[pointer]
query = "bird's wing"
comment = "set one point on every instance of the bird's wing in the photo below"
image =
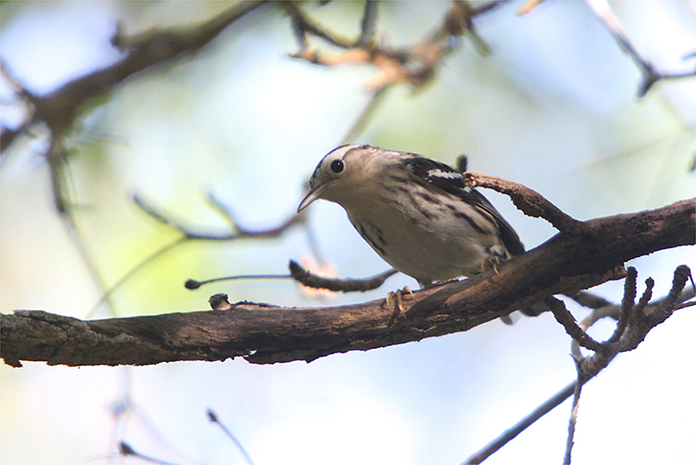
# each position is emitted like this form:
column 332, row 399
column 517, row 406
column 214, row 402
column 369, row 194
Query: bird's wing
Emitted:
column 439, row 176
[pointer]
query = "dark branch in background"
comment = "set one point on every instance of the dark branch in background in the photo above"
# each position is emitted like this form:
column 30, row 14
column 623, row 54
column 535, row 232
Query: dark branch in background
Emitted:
column 59, row 109
column 414, row 65
column 368, row 25
column 212, row 416
column 567, row 263
column 591, row 366
column 127, row 451
column 650, row 73
column 236, row 232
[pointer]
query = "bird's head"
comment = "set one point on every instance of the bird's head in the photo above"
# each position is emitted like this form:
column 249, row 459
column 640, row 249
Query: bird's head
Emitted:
column 343, row 172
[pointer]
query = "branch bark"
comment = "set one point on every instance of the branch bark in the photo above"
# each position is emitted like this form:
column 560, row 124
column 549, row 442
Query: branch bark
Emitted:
column 567, row 263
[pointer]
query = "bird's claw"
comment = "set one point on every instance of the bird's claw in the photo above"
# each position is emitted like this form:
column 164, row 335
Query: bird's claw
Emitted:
column 492, row 262
column 398, row 297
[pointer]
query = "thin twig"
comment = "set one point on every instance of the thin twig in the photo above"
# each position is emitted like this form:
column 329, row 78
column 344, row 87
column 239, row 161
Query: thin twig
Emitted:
column 126, row 450
column 308, row 279
column 529, row 201
column 213, row 418
column 573, row 420
column 565, row 318
column 510, row 434
column 368, row 23
column 591, row 366
column 590, row 300
column 193, row 284
column 651, row 74
column 237, row 232
column 415, row 64
column 627, row 303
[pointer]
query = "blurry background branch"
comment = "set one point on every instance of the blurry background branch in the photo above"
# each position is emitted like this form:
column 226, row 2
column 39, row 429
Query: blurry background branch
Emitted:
column 567, row 263
column 415, row 64
column 650, row 74
column 187, row 234
column 59, row 109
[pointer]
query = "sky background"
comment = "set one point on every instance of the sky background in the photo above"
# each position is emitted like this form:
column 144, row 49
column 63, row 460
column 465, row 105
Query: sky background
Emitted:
column 554, row 107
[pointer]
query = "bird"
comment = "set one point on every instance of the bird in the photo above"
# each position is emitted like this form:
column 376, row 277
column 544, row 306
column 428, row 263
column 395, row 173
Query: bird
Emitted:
column 417, row 213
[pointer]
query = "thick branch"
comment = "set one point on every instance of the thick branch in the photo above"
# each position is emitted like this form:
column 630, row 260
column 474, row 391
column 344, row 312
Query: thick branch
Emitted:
column 566, row 263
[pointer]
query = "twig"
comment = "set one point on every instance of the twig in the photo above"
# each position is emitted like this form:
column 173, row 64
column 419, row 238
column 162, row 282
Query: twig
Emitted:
column 415, row 64
column 590, row 300
column 529, row 201
column 627, row 302
column 511, row 433
column 193, row 284
column 650, row 73
column 566, row 319
column 213, row 418
column 368, row 23
column 591, row 366
column 303, row 24
column 361, row 121
column 308, row 279
column 236, row 233
column 126, row 450
column 573, row 419
column 603, row 11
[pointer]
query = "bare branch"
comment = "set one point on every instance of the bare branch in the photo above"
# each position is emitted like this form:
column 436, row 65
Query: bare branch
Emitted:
column 588, row 367
column 512, row 432
column 415, row 64
column 566, row 263
column 565, row 318
column 214, row 419
column 308, row 279
column 529, row 201
column 368, row 23
column 629, row 298
column 573, row 420
column 606, row 15
column 237, row 231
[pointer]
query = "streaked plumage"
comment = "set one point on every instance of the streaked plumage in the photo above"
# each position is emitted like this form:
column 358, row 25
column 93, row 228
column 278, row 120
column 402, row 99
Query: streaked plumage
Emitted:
column 415, row 212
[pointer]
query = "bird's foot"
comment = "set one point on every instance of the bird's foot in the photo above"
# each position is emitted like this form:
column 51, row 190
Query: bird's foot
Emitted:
column 490, row 263
column 398, row 297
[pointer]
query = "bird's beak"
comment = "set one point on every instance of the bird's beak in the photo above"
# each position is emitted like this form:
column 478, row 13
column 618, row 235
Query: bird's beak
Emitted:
column 313, row 195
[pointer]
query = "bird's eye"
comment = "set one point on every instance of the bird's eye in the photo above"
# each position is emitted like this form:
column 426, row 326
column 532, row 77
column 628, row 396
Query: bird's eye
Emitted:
column 337, row 166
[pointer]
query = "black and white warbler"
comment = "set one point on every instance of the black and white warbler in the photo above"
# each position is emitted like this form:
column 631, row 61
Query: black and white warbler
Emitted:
column 415, row 212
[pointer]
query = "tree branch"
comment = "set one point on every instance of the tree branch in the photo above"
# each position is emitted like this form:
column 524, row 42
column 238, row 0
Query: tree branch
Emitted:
column 567, row 263
column 590, row 366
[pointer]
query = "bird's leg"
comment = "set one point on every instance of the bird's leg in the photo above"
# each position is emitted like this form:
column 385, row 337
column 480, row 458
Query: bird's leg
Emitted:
column 492, row 262
column 398, row 296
